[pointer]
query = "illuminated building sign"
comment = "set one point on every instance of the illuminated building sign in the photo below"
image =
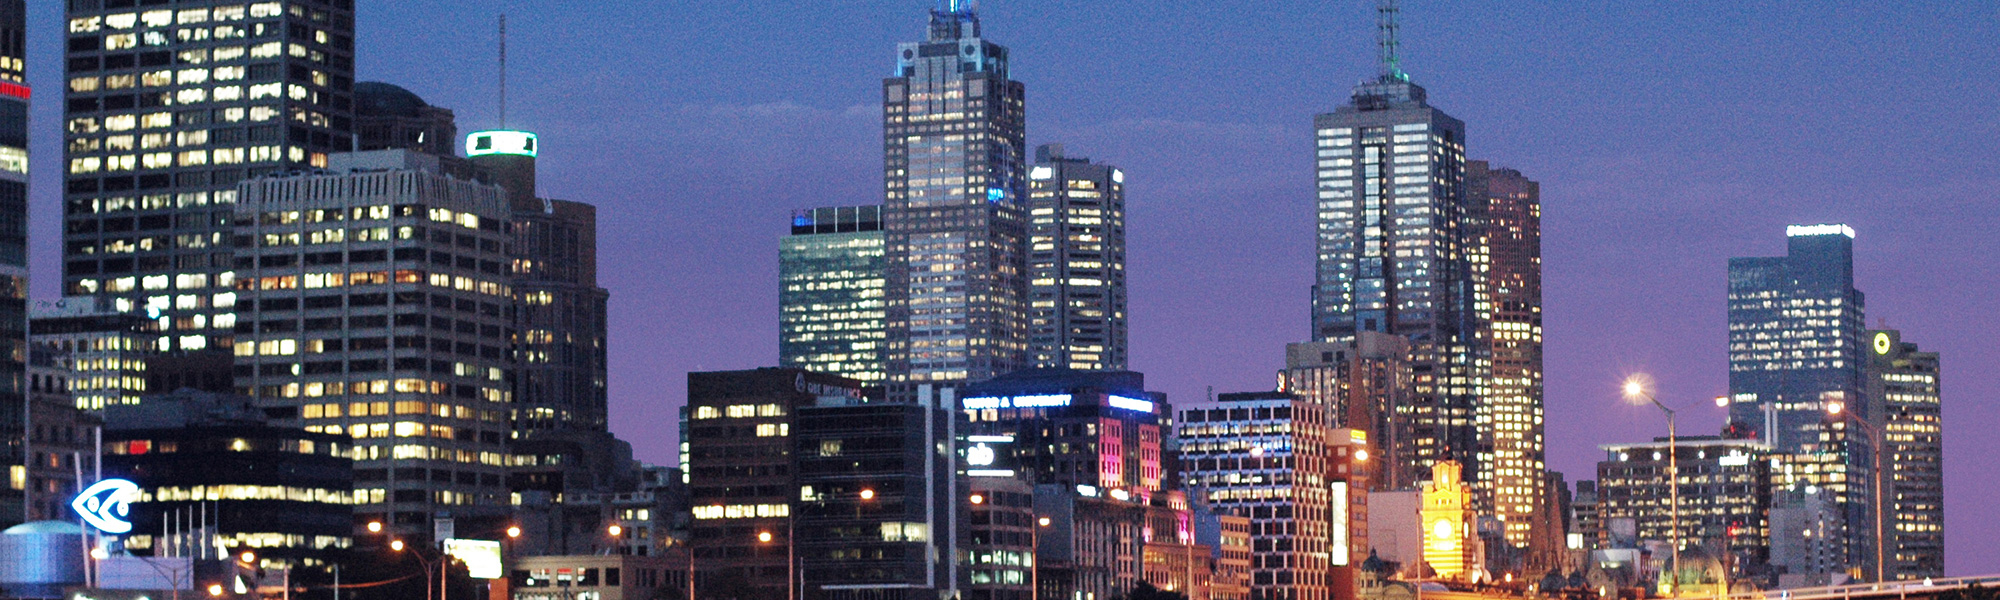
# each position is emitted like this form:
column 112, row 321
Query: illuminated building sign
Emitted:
column 1144, row 406
column 107, row 505
column 979, row 456
column 1805, row 230
column 1882, row 343
column 481, row 557
column 1037, row 401
column 519, row 143
column 1342, row 552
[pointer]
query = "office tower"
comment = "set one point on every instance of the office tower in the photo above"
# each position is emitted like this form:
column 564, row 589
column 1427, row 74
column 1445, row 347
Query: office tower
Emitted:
column 955, row 174
column 107, row 351
column 1795, row 325
column 1365, row 384
column 14, row 93
column 1076, row 262
column 281, row 492
column 743, row 472
column 1903, row 383
column 168, row 107
column 373, row 301
column 1725, row 499
column 830, row 304
column 1400, row 252
column 1510, row 415
column 1796, row 348
column 882, row 511
column 1068, row 427
column 1266, row 455
column 1000, row 557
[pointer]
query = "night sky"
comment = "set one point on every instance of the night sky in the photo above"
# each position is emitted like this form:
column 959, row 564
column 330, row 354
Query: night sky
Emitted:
column 1668, row 136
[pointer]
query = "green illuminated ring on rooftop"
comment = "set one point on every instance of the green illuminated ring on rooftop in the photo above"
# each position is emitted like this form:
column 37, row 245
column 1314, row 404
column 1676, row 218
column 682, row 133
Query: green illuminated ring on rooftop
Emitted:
column 518, row 143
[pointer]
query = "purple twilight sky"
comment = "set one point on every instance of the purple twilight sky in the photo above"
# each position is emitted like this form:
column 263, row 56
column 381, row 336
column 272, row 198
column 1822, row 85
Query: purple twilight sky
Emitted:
column 1668, row 136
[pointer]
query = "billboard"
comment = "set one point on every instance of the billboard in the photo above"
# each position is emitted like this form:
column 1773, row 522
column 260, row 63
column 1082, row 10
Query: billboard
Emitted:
column 481, row 557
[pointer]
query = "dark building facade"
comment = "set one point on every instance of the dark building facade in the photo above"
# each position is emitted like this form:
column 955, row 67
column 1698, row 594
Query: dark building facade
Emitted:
column 1076, row 262
column 168, row 108
column 14, row 391
column 882, row 512
column 743, row 472
column 955, row 177
column 283, row 492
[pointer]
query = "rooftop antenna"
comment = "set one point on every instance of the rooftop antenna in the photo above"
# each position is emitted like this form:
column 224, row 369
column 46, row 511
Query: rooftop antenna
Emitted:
column 1386, row 14
column 503, row 70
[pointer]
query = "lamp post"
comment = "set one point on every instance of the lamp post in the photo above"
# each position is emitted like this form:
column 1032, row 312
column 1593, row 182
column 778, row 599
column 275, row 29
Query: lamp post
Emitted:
column 765, row 537
column 1636, row 390
column 1035, row 558
column 1838, row 410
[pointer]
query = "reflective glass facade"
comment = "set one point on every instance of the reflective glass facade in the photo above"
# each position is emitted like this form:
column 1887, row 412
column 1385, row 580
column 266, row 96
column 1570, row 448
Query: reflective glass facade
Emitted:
column 1795, row 324
column 1400, row 252
column 830, row 300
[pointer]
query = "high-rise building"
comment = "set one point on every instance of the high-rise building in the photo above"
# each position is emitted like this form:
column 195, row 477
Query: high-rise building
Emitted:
column 1400, row 252
column 1267, row 455
column 107, row 352
column 1364, row 384
column 1076, row 261
column 1796, row 348
column 1068, row 427
column 830, row 305
column 1795, row 325
column 14, row 350
column 169, row 107
column 55, row 437
column 1510, row 415
column 955, row 177
column 374, row 301
column 882, row 510
column 1725, row 496
column 1903, row 383
column 387, row 117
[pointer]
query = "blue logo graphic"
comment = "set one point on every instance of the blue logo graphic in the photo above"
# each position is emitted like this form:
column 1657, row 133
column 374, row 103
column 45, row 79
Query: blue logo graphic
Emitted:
column 106, row 504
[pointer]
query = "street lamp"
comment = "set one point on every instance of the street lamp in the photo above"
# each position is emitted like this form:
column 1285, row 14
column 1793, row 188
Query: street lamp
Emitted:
column 1838, row 409
column 791, row 558
column 1035, row 555
column 374, row 527
column 1635, row 389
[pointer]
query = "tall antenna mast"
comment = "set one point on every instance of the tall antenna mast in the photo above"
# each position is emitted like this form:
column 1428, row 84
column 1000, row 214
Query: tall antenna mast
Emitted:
column 1386, row 15
column 503, row 70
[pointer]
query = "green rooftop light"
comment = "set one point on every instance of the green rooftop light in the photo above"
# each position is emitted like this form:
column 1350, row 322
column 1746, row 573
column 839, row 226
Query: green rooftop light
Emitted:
column 482, row 143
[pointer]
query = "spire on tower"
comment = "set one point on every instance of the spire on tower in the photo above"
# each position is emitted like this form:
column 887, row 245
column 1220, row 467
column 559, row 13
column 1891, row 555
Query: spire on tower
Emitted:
column 955, row 19
column 1386, row 16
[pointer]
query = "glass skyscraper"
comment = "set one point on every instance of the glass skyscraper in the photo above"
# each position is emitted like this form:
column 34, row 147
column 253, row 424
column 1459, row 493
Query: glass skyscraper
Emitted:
column 13, row 236
column 167, row 108
column 1076, row 258
column 955, row 174
column 1399, row 253
column 830, row 292
column 1795, row 325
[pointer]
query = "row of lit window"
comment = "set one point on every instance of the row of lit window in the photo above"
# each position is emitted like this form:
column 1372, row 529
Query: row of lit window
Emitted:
column 211, row 493
column 400, row 407
column 738, row 411
column 317, row 389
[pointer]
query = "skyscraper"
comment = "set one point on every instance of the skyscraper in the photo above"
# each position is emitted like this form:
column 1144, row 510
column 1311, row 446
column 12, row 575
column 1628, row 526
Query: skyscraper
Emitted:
column 1076, row 261
column 1795, row 348
column 1795, row 325
column 168, row 107
column 14, row 233
column 830, row 292
column 955, row 173
column 375, row 302
column 1268, row 455
column 1510, row 417
column 1399, row 252
column 1903, row 383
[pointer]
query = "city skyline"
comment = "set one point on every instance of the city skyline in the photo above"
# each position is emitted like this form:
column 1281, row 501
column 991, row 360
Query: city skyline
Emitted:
column 655, row 346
